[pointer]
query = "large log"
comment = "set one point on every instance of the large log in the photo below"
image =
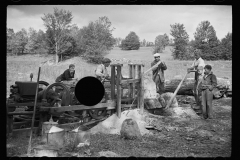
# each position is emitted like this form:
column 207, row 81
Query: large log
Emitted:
column 187, row 87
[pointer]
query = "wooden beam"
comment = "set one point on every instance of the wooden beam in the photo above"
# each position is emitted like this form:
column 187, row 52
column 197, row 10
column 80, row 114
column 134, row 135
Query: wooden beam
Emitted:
column 139, row 85
column 77, row 107
column 141, row 98
column 127, row 100
column 130, row 85
column 129, row 105
column 133, row 86
column 21, row 113
column 119, row 91
column 23, row 104
column 117, row 64
column 113, row 82
column 125, row 82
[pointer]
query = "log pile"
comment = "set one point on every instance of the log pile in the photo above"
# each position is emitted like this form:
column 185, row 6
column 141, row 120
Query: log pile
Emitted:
column 224, row 87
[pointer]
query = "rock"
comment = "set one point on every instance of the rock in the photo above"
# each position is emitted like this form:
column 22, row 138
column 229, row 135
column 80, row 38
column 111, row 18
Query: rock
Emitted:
column 167, row 96
column 108, row 154
column 130, row 129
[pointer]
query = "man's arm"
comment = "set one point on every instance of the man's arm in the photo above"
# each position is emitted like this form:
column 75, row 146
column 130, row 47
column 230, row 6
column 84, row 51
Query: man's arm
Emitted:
column 163, row 66
column 67, row 75
column 154, row 69
column 99, row 71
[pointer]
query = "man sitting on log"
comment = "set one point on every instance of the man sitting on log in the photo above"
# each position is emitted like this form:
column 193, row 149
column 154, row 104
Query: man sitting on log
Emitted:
column 209, row 82
column 197, row 67
column 158, row 77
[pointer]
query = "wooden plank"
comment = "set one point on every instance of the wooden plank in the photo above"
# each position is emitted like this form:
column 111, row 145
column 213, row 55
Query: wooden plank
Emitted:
column 127, row 100
column 21, row 113
column 113, row 82
column 119, row 91
column 117, row 64
column 76, row 107
column 24, row 129
column 139, row 85
column 129, row 105
column 23, row 104
column 125, row 82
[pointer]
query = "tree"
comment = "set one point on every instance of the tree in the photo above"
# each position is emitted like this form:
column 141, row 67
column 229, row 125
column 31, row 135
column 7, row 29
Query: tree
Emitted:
column 161, row 41
column 181, row 39
column 96, row 38
column 206, row 40
column 21, row 40
column 226, row 42
column 118, row 41
column 58, row 24
column 131, row 42
column 10, row 40
column 144, row 43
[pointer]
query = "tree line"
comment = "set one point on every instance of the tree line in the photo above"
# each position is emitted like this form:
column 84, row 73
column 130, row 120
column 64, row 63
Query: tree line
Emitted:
column 64, row 40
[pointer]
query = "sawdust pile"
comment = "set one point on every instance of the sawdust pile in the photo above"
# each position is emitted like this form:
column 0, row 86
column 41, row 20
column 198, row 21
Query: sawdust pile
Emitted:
column 112, row 125
column 184, row 112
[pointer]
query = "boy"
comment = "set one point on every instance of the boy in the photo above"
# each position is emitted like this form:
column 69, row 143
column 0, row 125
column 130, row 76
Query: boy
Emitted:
column 209, row 82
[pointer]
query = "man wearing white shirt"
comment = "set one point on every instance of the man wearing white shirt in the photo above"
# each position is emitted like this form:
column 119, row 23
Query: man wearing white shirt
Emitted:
column 198, row 68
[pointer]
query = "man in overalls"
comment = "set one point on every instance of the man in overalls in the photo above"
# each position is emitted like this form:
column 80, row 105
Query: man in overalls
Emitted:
column 209, row 82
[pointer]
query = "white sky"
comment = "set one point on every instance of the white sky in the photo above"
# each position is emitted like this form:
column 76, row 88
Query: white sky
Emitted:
column 147, row 21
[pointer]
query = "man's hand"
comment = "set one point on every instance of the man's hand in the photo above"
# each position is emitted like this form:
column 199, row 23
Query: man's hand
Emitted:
column 210, row 87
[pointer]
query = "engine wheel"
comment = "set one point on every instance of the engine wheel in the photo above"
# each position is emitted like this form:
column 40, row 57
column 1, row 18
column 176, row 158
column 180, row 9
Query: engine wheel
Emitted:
column 64, row 92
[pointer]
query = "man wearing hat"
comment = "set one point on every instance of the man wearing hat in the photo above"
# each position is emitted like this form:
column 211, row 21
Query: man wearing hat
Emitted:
column 158, row 76
column 197, row 67
column 101, row 71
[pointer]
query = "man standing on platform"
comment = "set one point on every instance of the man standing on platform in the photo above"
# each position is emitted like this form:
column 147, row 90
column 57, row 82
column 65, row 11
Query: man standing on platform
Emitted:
column 158, row 77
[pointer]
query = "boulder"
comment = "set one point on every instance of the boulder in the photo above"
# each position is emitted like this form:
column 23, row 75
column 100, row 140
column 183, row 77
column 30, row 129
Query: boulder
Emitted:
column 130, row 129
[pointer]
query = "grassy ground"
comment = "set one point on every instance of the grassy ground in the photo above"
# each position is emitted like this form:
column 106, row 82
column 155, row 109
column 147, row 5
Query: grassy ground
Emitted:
column 179, row 142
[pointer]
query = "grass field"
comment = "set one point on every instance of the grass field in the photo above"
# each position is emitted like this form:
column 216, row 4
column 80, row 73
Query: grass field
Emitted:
column 175, row 143
column 20, row 67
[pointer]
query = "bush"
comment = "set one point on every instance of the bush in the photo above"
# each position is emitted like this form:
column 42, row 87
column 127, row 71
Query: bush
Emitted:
column 131, row 42
column 94, row 59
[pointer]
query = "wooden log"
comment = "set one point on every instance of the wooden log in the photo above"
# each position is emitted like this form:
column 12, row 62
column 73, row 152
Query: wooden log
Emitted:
column 188, row 84
column 21, row 113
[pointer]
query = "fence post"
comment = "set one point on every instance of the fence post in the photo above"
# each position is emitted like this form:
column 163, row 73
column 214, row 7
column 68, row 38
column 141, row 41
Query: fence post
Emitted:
column 142, row 90
column 119, row 91
column 133, row 84
column 113, row 82
column 130, row 85
column 139, row 84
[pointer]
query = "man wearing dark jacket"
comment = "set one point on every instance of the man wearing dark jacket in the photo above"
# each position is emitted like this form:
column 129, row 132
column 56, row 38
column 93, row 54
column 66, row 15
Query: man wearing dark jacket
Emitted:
column 67, row 74
column 158, row 76
column 209, row 82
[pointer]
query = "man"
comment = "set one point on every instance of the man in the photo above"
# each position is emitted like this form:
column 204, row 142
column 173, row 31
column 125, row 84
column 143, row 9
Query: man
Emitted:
column 209, row 82
column 158, row 76
column 67, row 74
column 101, row 71
column 197, row 67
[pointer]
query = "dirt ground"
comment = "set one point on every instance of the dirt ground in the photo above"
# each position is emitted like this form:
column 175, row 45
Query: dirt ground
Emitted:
column 174, row 137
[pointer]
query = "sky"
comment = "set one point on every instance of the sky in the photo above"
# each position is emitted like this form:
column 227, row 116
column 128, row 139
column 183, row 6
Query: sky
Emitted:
column 147, row 21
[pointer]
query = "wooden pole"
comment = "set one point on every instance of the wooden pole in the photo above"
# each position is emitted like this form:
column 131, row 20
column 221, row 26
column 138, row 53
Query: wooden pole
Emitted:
column 119, row 91
column 175, row 93
column 133, row 84
column 130, row 85
column 139, row 84
column 141, row 90
column 152, row 67
column 112, row 82
column 34, row 111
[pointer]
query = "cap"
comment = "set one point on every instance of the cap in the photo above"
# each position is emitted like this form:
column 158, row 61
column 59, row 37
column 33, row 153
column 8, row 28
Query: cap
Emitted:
column 156, row 55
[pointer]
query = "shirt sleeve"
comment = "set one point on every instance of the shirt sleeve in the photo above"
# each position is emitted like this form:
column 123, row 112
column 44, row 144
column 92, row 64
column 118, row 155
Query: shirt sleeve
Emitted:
column 99, row 71
column 214, row 81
